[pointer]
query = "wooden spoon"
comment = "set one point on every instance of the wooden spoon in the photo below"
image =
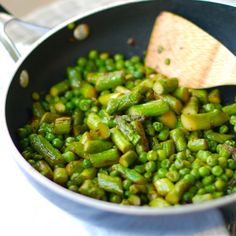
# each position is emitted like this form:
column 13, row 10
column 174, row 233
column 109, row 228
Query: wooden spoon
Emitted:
column 178, row 48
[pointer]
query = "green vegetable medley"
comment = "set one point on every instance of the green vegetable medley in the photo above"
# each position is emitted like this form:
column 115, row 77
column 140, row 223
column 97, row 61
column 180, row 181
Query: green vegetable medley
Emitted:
column 117, row 131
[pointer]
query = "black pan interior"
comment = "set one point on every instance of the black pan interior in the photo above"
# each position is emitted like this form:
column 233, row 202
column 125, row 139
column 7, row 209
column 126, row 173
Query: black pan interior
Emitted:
column 110, row 30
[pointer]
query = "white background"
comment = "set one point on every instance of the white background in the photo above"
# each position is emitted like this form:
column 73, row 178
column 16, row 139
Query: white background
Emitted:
column 23, row 211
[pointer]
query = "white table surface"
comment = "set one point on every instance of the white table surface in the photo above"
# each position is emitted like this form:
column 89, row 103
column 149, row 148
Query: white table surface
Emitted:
column 23, row 211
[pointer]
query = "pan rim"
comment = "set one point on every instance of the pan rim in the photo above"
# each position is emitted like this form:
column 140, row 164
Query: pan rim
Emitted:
column 79, row 198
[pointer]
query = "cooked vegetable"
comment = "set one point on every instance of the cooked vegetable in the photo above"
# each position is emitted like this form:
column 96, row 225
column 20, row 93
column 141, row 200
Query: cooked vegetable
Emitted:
column 110, row 183
column 179, row 139
column 117, row 131
column 120, row 140
column 105, row 158
column 106, row 80
column 204, row 121
column 123, row 102
column 43, row 147
column 165, row 85
column 153, row 108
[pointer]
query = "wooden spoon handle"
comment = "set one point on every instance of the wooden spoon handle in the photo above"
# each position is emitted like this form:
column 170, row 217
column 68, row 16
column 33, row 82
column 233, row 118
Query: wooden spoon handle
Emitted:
column 178, row 48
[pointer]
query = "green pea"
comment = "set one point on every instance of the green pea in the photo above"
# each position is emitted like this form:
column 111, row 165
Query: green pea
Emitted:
column 138, row 74
column 104, row 55
column 69, row 140
column 223, row 129
column 165, row 163
column 49, row 136
column 85, row 104
column 208, row 180
column 201, row 191
column 129, row 84
column 69, row 156
column 217, row 170
column 87, row 163
column 76, row 178
column 209, row 107
column 70, row 106
column 222, row 161
column 184, row 171
column 220, row 185
column 82, row 61
column 164, row 134
column 118, row 57
column 148, row 175
column 44, row 128
column 229, row 173
column 211, row 161
column 202, row 155
column 173, row 176
column 60, row 176
column 204, row 171
column 78, row 137
column 232, row 120
column 173, row 167
column 195, row 173
column 187, row 197
column 179, row 164
column 120, row 65
column 231, row 164
column 210, row 188
column 150, row 166
column 224, row 177
column 115, row 198
column 223, row 151
column 189, row 177
column 158, row 126
column 152, row 155
column 161, row 173
column 135, row 59
column 143, row 157
column 93, row 54
column 128, row 64
column 149, row 128
column 58, row 143
column 23, row 132
column 35, row 96
column 73, row 188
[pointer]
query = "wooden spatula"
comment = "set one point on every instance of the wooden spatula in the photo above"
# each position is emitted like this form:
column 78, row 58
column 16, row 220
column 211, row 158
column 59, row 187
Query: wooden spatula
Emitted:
column 178, row 48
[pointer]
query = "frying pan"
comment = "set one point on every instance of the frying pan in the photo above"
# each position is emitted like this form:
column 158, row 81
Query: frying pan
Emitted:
column 110, row 28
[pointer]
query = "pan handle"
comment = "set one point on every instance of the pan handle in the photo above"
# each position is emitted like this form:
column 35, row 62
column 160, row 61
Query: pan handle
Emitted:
column 8, row 43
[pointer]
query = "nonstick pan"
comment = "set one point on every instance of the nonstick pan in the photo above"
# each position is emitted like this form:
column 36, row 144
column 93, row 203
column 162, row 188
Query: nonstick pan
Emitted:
column 110, row 28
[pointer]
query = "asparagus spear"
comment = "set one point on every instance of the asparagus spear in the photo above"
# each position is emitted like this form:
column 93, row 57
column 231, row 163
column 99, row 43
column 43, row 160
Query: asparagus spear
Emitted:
column 153, row 108
column 204, row 121
column 106, row 80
